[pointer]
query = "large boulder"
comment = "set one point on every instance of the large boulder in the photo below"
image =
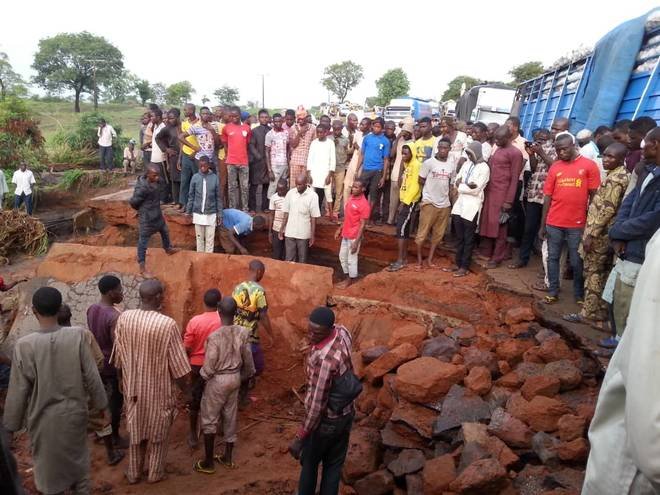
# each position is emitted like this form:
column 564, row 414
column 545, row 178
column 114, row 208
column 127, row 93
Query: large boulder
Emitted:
column 518, row 315
column 407, row 462
column 364, row 454
column 554, row 350
column 389, row 361
column 566, row 372
column 546, row 385
column 480, row 477
column 438, row 474
column 440, row 347
column 411, row 333
column 543, row 413
column 377, row 483
column 426, row 379
column 479, row 380
column 417, row 417
column 571, row 427
column 509, row 429
column 460, row 406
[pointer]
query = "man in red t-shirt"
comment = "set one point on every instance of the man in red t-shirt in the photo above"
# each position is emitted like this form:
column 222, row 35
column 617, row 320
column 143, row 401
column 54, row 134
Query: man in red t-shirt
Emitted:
column 236, row 137
column 356, row 214
column 571, row 183
column 194, row 340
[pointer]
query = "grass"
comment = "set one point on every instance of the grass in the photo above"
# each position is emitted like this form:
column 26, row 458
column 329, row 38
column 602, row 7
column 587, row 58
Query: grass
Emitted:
column 57, row 116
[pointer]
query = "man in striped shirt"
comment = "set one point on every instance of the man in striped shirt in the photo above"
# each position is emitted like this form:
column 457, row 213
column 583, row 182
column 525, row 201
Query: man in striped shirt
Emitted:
column 149, row 356
column 324, row 434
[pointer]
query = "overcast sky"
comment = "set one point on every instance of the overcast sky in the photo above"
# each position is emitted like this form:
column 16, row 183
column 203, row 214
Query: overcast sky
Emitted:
column 212, row 43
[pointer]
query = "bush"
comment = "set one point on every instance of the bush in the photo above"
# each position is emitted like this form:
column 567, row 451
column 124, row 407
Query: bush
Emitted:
column 20, row 137
column 83, row 140
column 76, row 179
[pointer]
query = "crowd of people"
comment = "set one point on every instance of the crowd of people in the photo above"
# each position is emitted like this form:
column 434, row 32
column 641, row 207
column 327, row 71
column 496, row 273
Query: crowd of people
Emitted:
column 126, row 366
column 475, row 185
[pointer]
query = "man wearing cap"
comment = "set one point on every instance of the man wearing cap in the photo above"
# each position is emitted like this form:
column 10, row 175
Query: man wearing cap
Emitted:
column 323, row 436
column 130, row 157
column 301, row 136
column 588, row 149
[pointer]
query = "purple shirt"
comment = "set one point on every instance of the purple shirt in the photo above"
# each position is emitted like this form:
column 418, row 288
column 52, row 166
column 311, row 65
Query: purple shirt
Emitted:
column 101, row 321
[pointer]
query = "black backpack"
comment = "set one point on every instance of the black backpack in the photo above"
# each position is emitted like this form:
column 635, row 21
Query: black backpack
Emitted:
column 345, row 389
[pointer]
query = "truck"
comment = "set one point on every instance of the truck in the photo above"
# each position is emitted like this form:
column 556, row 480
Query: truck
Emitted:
column 407, row 106
column 618, row 80
column 486, row 103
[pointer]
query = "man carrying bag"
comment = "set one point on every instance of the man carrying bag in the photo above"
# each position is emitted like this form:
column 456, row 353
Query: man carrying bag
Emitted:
column 332, row 387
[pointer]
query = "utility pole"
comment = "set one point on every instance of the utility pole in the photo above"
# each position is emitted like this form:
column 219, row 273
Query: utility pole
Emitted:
column 95, row 89
column 263, row 92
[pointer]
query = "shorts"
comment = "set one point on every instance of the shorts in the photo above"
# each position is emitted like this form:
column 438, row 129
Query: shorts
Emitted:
column 197, row 388
column 370, row 180
column 432, row 220
column 404, row 220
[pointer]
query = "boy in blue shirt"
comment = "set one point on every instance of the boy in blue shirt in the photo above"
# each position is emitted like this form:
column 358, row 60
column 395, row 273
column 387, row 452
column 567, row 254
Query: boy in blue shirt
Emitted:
column 238, row 224
column 374, row 161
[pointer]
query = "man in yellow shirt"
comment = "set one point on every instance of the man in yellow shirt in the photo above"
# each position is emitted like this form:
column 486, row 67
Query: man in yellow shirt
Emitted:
column 409, row 196
column 188, row 163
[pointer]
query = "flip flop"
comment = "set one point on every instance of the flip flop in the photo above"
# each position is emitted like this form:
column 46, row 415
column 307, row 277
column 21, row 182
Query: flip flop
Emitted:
column 516, row 266
column 228, row 465
column 550, row 299
column 609, row 343
column 450, row 270
column 201, row 469
column 460, row 274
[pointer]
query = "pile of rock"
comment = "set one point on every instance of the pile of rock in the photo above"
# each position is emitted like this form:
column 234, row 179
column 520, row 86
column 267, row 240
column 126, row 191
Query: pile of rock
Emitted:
column 466, row 410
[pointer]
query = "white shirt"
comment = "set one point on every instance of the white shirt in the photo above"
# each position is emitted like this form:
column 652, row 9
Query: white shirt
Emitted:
column 590, row 150
column 625, row 453
column 320, row 161
column 301, row 209
column 486, row 150
column 157, row 155
column 469, row 201
column 105, row 134
column 23, row 181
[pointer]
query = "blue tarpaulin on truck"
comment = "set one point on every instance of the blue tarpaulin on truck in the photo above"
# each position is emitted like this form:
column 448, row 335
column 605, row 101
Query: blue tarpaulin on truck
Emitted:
column 613, row 61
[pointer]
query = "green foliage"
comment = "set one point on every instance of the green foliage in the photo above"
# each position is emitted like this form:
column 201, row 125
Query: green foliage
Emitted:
column 82, row 141
column 159, row 91
column 120, row 89
column 525, row 72
column 143, row 90
column 10, row 81
column 453, row 91
column 69, row 61
column 63, row 153
column 226, row 95
column 77, row 179
column 20, row 137
column 393, row 84
column 179, row 93
column 340, row 78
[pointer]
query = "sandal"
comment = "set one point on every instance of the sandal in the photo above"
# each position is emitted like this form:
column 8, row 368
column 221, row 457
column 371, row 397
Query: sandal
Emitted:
column 395, row 267
column 201, row 469
column 229, row 465
column 608, row 343
column 517, row 265
column 460, row 273
column 550, row 299
column 491, row 265
column 450, row 270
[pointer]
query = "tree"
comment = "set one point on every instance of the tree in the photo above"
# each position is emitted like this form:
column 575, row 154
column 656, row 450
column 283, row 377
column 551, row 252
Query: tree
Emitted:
column 205, row 100
column 226, row 95
column 525, row 72
column 158, row 93
column 143, row 90
column 453, row 91
column 80, row 62
column 179, row 93
column 9, row 80
column 393, row 84
column 119, row 89
column 340, row 78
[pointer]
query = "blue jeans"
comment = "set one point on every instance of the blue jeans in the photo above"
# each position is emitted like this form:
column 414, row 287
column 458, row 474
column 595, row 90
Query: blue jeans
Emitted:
column 19, row 200
column 556, row 237
column 188, row 169
column 145, row 235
